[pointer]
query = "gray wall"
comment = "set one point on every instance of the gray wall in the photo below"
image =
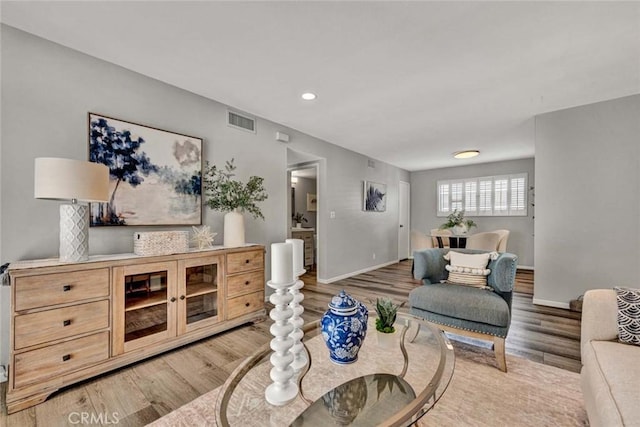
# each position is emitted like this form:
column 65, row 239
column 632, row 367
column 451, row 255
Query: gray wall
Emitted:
column 587, row 199
column 424, row 207
column 304, row 186
column 48, row 89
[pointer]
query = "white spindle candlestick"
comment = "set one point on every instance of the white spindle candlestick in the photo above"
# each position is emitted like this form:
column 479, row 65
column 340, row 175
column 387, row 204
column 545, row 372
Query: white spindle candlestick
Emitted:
column 299, row 355
column 283, row 389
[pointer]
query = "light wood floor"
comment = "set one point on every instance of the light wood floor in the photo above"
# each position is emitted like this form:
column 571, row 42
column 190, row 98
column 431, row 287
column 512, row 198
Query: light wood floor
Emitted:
column 143, row 392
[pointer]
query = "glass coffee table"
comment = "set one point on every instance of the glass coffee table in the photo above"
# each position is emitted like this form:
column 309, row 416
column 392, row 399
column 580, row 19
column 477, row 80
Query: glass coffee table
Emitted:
column 390, row 384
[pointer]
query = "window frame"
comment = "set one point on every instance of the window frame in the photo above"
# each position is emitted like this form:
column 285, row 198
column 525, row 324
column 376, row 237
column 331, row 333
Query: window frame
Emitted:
column 444, row 195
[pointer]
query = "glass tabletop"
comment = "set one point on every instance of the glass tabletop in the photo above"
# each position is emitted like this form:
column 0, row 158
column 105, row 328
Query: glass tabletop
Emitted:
column 389, row 384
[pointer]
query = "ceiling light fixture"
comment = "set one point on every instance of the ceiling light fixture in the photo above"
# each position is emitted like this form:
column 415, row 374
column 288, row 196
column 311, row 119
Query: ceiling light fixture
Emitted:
column 309, row 96
column 466, row 154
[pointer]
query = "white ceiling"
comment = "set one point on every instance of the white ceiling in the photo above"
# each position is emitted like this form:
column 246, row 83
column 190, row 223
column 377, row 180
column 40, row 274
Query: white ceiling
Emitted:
column 404, row 82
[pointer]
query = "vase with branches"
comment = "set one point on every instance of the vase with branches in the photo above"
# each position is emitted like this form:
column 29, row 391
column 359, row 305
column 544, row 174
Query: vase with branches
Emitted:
column 224, row 193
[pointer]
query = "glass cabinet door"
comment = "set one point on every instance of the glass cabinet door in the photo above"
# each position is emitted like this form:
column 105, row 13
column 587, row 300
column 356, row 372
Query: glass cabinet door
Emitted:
column 200, row 289
column 145, row 305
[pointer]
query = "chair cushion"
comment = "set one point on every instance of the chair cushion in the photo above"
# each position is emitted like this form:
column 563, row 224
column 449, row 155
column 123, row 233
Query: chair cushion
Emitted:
column 463, row 302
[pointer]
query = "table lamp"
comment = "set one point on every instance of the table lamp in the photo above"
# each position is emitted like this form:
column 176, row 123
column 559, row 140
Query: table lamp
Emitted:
column 77, row 181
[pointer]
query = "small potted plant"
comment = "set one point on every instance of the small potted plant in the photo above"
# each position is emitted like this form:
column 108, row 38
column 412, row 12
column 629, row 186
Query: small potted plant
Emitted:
column 387, row 312
column 457, row 223
column 299, row 218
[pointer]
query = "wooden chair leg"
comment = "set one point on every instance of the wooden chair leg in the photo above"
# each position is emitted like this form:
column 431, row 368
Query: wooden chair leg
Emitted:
column 498, row 349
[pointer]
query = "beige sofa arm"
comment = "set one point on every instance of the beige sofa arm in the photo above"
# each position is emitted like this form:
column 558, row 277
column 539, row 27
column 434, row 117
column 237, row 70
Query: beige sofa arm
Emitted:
column 599, row 316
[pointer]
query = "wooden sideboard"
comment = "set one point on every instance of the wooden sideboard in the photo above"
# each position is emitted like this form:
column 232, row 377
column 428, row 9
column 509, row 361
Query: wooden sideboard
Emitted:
column 307, row 236
column 70, row 322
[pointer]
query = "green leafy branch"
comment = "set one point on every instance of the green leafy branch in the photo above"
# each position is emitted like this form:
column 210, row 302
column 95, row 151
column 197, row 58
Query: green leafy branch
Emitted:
column 223, row 193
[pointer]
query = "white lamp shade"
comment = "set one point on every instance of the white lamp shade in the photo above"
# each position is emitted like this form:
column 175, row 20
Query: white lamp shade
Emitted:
column 66, row 179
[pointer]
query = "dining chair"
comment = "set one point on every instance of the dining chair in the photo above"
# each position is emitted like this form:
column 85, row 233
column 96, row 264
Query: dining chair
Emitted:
column 504, row 237
column 486, row 241
column 437, row 232
column 419, row 241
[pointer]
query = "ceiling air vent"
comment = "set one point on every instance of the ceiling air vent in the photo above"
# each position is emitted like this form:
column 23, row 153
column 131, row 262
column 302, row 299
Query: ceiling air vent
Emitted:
column 240, row 121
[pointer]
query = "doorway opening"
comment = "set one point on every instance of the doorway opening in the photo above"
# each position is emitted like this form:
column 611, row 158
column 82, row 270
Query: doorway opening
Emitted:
column 303, row 207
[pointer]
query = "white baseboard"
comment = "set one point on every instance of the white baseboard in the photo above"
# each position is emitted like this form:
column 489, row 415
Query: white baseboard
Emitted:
column 3, row 374
column 555, row 304
column 355, row 273
column 526, row 267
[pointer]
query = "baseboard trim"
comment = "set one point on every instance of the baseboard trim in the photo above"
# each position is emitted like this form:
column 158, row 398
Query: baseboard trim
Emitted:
column 355, row 273
column 548, row 303
column 525, row 267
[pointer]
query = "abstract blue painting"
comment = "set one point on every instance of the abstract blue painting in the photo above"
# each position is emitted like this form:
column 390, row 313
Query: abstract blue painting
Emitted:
column 155, row 175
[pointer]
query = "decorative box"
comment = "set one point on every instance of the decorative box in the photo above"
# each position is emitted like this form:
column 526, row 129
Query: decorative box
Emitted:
column 160, row 242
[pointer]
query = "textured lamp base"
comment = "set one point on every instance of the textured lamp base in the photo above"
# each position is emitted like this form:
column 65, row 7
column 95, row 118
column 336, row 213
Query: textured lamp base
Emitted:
column 74, row 233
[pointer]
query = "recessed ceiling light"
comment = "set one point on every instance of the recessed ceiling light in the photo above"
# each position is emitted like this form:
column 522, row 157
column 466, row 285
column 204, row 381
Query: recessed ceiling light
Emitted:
column 467, row 154
column 309, row 96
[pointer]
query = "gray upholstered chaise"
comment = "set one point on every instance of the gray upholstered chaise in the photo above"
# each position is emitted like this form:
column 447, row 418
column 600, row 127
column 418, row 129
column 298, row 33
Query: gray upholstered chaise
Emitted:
column 465, row 310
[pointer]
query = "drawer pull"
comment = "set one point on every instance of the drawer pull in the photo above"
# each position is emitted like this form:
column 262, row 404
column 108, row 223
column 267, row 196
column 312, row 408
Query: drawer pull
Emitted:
column 247, row 304
column 66, row 288
column 247, row 282
column 173, row 299
column 246, row 261
column 66, row 322
column 182, row 297
column 66, row 357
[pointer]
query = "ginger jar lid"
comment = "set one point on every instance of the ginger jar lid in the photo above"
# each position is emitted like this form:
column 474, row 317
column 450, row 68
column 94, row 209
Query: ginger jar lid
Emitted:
column 343, row 303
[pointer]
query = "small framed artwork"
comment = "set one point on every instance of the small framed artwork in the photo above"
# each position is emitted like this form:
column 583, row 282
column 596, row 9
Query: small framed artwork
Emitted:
column 375, row 197
column 155, row 175
column 312, row 202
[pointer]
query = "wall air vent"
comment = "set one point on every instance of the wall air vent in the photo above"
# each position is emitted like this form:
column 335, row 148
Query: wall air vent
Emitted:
column 240, row 121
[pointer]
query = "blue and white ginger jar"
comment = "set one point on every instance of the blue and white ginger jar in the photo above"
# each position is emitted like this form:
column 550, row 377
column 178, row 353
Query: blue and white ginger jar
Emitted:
column 344, row 327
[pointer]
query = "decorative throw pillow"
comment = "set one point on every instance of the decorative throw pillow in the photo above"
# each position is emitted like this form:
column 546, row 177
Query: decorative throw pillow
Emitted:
column 628, row 315
column 469, row 269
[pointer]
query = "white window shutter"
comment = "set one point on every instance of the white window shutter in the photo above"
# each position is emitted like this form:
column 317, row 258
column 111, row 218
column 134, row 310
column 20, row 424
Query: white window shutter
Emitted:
column 518, row 204
column 501, row 196
column 471, row 197
column 485, row 196
column 457, row 195
column 443, row 198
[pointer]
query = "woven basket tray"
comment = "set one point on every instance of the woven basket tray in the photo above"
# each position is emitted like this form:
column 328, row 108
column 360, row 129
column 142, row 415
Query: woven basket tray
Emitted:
column 160, row 242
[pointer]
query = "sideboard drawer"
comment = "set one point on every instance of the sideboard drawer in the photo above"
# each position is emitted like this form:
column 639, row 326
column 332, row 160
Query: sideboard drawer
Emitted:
column 39, row 365
column 245, row 283
column 60, row 288
column 36, row 328
column 245, row 261
column 245, row 304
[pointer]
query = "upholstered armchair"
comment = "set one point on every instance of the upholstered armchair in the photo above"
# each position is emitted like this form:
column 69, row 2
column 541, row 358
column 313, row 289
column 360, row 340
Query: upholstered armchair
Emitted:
column 482, row 313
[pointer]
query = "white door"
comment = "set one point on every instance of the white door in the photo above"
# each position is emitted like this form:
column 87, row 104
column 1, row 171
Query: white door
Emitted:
column 403, row 232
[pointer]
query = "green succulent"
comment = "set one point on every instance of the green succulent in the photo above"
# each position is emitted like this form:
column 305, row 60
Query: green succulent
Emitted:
column 387, row 312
